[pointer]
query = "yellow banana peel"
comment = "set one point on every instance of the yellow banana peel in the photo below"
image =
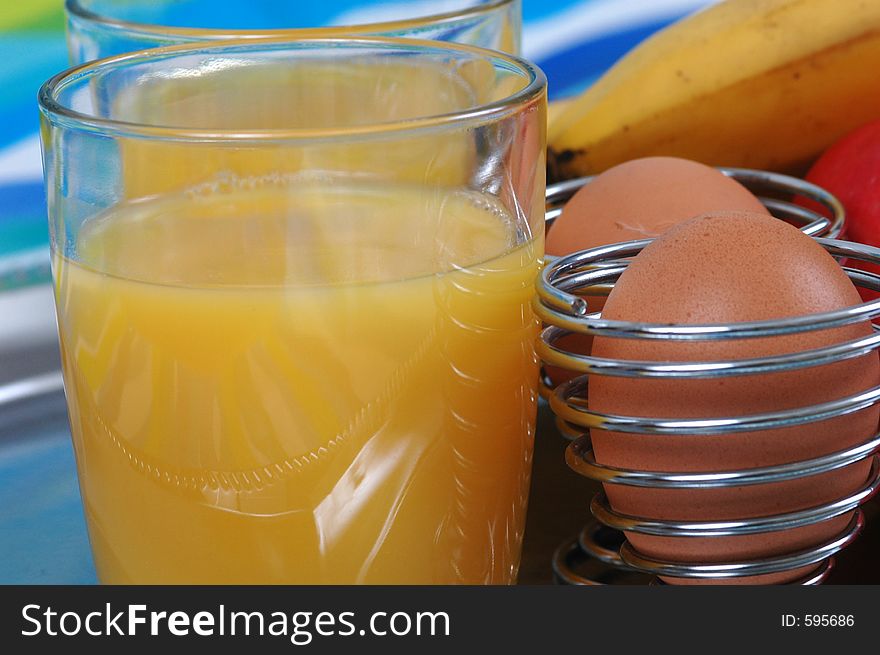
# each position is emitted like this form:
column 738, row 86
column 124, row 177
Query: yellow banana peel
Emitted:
column 757, row 83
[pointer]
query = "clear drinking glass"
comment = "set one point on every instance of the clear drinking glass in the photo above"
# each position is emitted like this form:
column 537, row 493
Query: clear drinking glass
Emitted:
column 293, row 284
column 100, row 28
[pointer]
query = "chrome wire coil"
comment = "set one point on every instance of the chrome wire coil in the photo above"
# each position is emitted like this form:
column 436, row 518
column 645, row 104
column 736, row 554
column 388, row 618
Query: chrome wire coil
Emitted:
column 560, row 303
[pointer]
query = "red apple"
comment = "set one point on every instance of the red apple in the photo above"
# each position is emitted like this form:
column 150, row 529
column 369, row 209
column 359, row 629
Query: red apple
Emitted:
column 850, row 169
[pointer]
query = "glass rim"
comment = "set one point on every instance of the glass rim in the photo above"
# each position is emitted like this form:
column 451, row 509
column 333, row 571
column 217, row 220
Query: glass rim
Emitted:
column 480, row 113
column 75, row 9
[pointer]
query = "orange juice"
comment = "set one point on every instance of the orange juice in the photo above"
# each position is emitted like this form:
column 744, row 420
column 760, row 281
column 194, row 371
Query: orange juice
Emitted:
column 290, row 381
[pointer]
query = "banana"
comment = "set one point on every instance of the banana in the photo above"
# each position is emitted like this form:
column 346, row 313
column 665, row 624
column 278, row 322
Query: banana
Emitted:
column 556, row 107
column 756, row 83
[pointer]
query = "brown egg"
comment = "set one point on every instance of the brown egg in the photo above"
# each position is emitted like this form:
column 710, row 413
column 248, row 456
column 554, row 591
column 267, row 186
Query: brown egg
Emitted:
column 721, row 268
column 639, row 199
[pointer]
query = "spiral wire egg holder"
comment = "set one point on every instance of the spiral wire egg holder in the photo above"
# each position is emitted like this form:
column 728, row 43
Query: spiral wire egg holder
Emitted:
column 561, row 306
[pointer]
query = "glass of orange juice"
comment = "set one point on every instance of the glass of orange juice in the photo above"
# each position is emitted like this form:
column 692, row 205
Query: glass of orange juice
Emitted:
column 293, row 283
column 100, row 28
